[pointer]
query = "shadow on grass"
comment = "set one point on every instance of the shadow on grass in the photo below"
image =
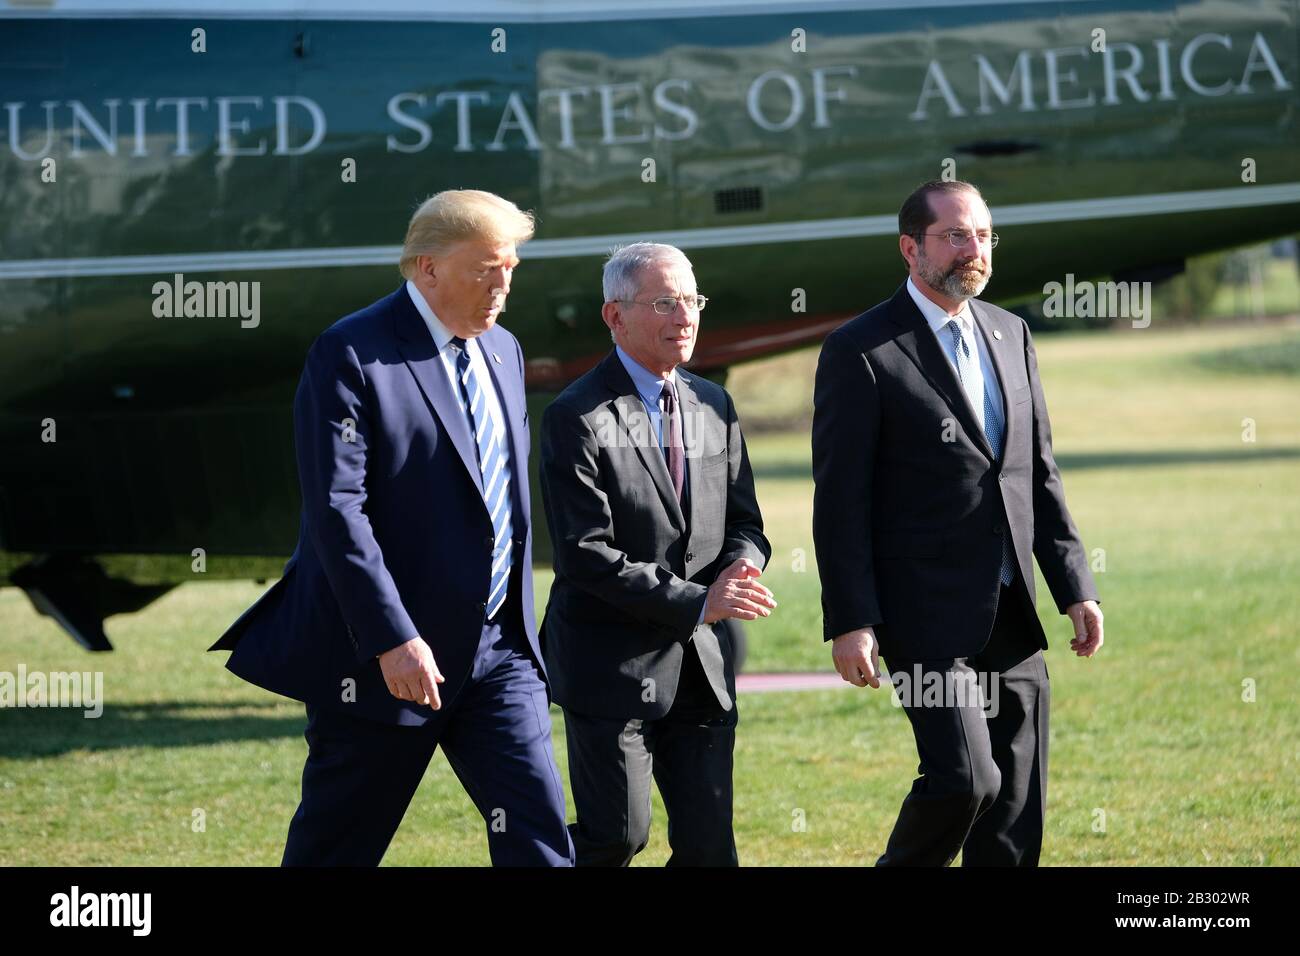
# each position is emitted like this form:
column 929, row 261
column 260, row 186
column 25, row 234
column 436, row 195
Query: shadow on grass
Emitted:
column 1105, row 459
column 51, row 731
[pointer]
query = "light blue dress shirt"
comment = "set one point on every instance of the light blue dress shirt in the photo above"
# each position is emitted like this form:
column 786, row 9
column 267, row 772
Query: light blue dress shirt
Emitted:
column 650, row 386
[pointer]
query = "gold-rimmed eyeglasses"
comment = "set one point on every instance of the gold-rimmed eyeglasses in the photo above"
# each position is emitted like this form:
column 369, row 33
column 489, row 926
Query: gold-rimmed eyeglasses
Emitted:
column 665, row 304
column 959, row 237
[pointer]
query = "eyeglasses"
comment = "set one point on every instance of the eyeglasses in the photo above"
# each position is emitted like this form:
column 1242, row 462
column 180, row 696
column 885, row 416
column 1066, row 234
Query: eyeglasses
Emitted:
column 665, row 304
column 959, row 237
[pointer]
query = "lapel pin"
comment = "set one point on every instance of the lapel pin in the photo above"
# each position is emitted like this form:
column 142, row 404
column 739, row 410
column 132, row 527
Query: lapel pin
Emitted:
column 497, row 358
column 997, row 333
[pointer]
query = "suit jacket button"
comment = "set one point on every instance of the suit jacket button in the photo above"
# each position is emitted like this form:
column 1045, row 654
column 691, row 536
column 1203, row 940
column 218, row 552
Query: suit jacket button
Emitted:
column 690, row 555
column 489, row 541
column 482, row 606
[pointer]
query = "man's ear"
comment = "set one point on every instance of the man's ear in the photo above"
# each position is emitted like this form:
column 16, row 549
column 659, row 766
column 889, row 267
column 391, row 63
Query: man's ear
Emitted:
column 612, row 315
column 428, row 267
column 908, row 248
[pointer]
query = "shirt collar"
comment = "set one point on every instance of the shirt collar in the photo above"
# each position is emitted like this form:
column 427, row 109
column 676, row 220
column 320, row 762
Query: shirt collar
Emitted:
column 935, row 315
column 441, row 334
column 648, row 385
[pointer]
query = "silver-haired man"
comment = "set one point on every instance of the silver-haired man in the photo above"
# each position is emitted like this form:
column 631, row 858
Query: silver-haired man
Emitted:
column 657, row 537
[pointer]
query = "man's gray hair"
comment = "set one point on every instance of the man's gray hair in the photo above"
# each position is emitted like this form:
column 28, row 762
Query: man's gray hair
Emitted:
column 621, row 279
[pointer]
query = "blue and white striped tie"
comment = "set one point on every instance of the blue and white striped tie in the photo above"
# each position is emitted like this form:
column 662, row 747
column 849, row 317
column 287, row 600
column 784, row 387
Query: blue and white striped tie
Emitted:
column 967, row 373
column 494, row 463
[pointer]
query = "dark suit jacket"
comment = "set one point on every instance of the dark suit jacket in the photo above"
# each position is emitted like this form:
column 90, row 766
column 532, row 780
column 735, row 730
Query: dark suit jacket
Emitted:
column 631, row 570
column 395, row 539
column 908, row 526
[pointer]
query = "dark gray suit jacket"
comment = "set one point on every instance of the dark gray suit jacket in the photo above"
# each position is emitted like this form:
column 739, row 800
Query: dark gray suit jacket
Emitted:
column 631, row 570
column 908, row 525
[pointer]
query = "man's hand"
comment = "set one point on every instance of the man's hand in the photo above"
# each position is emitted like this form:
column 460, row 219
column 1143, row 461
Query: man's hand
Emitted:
column 1086, row 617
column 856, row 657
column 411, row 674
column 737, row 593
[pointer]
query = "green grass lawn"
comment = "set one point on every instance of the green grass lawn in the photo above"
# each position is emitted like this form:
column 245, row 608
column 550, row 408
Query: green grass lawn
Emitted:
column 1197, row 529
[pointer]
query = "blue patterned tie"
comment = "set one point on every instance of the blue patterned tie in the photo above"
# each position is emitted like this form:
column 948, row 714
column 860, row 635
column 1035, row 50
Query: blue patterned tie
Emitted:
column 967, row 373
column 494, row 463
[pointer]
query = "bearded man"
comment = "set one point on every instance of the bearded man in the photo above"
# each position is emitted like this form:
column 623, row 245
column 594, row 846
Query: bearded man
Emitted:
column 935, row 490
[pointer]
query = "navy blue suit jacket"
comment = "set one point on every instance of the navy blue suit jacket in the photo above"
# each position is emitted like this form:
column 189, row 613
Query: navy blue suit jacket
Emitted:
column 395, row 542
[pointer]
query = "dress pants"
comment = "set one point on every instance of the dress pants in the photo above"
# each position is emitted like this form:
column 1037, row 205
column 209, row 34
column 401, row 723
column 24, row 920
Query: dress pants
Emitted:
column 360, row 774
column 982, row 788
column 688, row 751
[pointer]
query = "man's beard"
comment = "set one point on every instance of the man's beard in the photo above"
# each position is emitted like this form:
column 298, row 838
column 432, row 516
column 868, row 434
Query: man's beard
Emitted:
column 956, row 282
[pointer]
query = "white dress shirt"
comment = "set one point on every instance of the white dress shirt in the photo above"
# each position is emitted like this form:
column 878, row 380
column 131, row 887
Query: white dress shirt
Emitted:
column 442, row 337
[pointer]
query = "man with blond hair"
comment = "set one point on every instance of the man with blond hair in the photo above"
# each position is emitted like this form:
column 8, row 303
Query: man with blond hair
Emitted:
column 404, row 619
